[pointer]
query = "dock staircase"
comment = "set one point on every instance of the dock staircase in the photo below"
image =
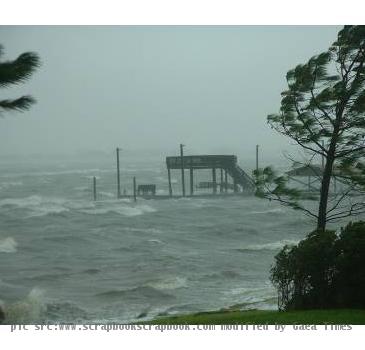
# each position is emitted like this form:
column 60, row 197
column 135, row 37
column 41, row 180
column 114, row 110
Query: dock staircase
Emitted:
column 240, row 177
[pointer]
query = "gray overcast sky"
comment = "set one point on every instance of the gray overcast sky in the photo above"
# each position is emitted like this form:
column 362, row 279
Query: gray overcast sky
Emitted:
column 154, row 87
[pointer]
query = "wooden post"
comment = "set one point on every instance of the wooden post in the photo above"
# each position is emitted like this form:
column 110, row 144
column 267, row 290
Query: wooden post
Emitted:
column 169, row 177
column 221, row 186
column 191, row 181
column 118, row 174
column 182, row 169
column 134, row 189
column 94, row 187
column 257, row 158
column 214, row 180
column 235, row 187
column 225, row 180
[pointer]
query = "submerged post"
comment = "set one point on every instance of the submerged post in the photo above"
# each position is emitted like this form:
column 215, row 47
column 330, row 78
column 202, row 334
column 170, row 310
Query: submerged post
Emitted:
column 214, row 180
column 94, row 187
column 169, row 178
column 221, row 186
column 225, row 181
column 235, row 186
column 182, row 169
column 134, row 189
column 118, row 174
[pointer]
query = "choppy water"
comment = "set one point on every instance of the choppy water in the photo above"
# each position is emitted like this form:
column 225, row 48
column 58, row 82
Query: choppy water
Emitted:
column 66, row 258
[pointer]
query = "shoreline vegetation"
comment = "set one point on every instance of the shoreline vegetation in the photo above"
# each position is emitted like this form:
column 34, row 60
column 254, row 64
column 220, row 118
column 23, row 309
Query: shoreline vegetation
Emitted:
column 263, row 317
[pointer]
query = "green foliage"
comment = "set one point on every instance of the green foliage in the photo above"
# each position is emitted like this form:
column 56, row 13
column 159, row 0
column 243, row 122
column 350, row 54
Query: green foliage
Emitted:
column 275, row 187
column 323, row 111
column 322, row 271
column 350, row 279
column 16, row 72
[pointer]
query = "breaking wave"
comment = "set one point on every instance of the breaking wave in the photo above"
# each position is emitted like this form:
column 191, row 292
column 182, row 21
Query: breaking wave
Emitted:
column 157, row 290
column 268, row 211
column 36, row 205
column 27, row 311
column 169, row 283
column 263, row 296
column 142, row 292
column 8, row 245
column 269, row 246
column 123, row 210
column 42, row 206
column 6, row 185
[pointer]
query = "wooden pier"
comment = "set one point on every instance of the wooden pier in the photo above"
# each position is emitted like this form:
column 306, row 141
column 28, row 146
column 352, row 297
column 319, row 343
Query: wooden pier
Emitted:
column 228, row 178
column 226, row 165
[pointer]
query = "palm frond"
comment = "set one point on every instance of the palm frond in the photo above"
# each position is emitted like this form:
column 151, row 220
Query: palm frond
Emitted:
column 19, row 70
column 20, row 104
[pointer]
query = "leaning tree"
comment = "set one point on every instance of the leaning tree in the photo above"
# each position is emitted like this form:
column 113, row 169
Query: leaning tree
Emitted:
column 323, row 111
column 17, row 72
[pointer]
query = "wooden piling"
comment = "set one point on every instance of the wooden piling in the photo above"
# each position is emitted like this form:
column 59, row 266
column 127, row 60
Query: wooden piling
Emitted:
column 182, row 169
column 118, row 174
column 214, row 175
column 225, row 180
column 191, row 181
column 221, row 186
column 134, row 189
column 94, row 187
column 235, row 186
column 169, row 178
column 257, row 158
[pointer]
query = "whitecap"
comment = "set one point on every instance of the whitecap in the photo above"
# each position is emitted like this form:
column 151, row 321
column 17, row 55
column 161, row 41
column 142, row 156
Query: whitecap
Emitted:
column 26, row 311
column 41, row 206
column 22, row 202
column 155, row 241
column 270, row 246
column 8, row 245
column 268, row 211
column 168, row 283
column 123, row 210
column 6, row 185
column 263, row 294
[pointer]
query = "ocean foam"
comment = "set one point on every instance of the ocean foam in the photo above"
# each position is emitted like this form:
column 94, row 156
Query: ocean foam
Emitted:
column 268, row 211
column 28, row 310
column 8, row 245
column 41, row 206
column 120, row 209
column 6, row 185
column 270, row 246
column 168, row 283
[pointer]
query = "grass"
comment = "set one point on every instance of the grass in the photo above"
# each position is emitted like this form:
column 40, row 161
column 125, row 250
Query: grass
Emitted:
column 341, row 316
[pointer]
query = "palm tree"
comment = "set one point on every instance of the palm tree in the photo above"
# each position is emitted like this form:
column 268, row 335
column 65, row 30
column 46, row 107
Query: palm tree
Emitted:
column 17, row 72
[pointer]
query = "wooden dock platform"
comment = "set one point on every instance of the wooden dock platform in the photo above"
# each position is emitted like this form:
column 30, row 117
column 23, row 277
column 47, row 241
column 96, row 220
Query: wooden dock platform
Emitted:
column 226, row 164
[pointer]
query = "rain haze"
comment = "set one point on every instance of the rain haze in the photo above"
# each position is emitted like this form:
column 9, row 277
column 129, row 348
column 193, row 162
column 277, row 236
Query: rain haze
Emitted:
column 150, row 88
column 106, row 218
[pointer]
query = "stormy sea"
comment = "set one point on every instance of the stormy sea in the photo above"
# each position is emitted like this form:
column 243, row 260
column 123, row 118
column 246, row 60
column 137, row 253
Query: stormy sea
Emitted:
column 67, row 258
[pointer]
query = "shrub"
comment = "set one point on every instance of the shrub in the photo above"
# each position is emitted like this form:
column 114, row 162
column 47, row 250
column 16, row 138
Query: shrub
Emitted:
column 323, row 271
column 350, row 278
